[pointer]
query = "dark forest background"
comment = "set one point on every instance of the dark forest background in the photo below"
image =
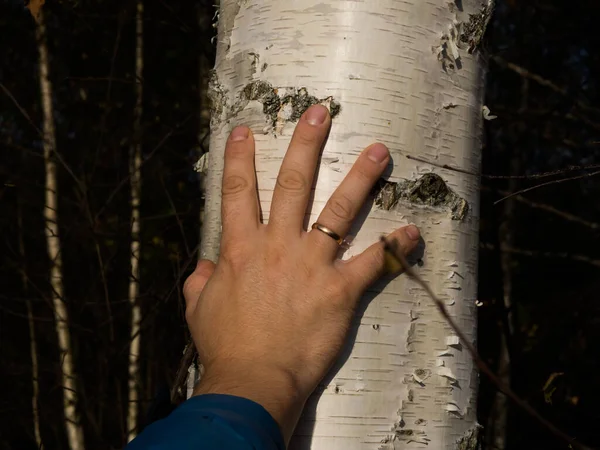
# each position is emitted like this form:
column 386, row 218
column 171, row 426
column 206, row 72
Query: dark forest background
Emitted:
column 539, row 255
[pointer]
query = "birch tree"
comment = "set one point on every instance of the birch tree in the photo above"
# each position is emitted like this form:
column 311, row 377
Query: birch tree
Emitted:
column 407, row 74
column 135, row 163
column 61, row 315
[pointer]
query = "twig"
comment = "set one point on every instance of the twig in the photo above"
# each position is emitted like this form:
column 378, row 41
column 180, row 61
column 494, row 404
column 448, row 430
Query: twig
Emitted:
column 562, row 180
column 107, row 99
column 104, row 79
column 124, row 181
column 541, row 174
column 541, row 254
column 506, row 177
column 549, row 209
column 176, row 214
column 39, row 132
column 20, row 108
column 393, row 248
column 543, row 82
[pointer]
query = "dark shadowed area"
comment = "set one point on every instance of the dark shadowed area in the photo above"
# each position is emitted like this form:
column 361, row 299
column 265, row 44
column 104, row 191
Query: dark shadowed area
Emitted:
column 539, row 279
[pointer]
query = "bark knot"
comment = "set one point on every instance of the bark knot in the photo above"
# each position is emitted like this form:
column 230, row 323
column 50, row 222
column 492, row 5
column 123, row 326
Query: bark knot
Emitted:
column 429, row 190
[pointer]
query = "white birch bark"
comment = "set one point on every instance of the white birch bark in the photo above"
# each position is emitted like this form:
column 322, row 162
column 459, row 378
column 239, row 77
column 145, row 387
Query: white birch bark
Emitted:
column 403, row 76
column 67, row 370
column 135, row 163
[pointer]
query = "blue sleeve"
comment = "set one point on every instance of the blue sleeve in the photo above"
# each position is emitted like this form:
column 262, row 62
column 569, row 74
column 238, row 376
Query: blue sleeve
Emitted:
column 213, row 422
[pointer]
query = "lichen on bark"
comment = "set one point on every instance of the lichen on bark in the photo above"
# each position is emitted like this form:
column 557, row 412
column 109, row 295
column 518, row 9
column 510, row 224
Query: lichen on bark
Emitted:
column 279, row 104
column 282, row 104
column 473, row 30
column 217, row 98
column 470, row 441
column 262, row 92
column 429, row 190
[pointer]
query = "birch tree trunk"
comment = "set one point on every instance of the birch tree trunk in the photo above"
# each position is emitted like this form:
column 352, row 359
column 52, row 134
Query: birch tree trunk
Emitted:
column 406, row 74
column 135, row 163
column 67, row 370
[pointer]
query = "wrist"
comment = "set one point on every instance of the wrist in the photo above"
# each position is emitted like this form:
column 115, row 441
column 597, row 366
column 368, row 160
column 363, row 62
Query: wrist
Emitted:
column 273, row 389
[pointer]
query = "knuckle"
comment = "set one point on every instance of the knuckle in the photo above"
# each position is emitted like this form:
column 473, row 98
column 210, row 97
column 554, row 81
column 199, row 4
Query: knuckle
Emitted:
column 365, row 173
column 377, row 261
column 376, row 257
column 232, row 253
column 234, row 184
column 291, row 180
column 306, row 137
column 341, row 206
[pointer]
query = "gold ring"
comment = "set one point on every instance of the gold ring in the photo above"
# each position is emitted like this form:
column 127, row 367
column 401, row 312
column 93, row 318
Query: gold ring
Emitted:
column 332, row 234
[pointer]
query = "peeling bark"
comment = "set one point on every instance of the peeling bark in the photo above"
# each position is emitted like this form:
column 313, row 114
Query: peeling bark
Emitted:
column 375, row 62
column 280, row 105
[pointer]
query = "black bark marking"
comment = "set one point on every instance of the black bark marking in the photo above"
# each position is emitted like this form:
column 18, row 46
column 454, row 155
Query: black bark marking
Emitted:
column 299, row 100
column 429, row 190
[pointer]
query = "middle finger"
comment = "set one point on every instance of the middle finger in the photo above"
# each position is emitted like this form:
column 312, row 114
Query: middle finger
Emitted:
column 347, row 200
column 294, row 182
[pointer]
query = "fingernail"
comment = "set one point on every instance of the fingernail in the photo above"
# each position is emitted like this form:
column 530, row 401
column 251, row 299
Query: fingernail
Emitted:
column 239, row 134
column 378, row 153
column 316, row 114
column 412, row 232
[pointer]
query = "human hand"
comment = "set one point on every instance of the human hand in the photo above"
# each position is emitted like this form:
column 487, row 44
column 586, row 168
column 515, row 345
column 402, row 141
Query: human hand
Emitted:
column 271, row 317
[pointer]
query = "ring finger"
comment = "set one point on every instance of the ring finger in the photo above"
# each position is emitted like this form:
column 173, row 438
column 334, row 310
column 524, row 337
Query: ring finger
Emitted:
column 348, row 198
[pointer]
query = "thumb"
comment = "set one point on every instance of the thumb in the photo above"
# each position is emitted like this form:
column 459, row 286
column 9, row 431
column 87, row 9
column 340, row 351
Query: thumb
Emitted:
column 194, row 285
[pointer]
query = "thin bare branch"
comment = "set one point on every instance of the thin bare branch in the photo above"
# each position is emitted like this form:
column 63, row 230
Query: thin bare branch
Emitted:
column 108, row 94
column 104, row 79
column 176, row 214
column 35, row 386
column 135, row 164
column 550, row 173
column 542, row 254
column 20, row 108
column 547, row 183
column 543, row 82
column 549, row 209
column 39, row 132
column 394, row 249
column 506, row 177
column 126, row 179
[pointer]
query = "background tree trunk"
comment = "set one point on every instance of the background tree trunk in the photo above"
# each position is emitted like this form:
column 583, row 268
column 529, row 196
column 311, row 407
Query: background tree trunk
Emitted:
column 66, row 367
column 406, row 74
column 35, row 372
column 135, row 163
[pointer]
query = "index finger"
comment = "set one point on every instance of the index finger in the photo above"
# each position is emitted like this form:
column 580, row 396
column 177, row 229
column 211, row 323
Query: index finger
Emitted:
column 239, row 207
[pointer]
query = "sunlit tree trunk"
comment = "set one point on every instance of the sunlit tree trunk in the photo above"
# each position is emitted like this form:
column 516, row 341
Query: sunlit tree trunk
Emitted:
column 67, row 370
column 407, row 74
column 135, row 163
